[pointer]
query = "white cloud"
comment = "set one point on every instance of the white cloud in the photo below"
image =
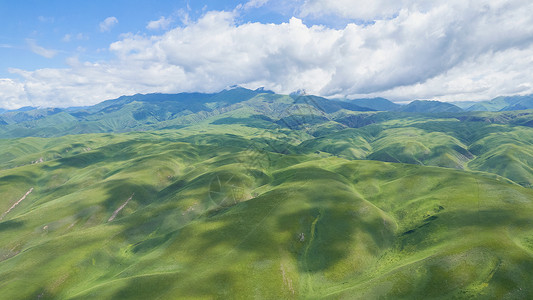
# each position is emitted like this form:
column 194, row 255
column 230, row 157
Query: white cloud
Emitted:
column 12, row 94
column 457, row 51
column 68, row 37
column 108, row 23
column 48, row 53
column 254, row 4
column 507, row 72
column 161, row 23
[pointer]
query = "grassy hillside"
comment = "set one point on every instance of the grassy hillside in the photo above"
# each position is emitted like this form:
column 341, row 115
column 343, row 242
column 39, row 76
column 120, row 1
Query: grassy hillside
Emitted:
column 478, row 146
column 269, row 196
column 211, row 212
column 498, row 143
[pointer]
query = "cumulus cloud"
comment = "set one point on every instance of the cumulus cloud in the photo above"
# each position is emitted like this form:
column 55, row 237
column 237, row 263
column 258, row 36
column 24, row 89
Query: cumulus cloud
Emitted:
column 108, row 23
column 12, row 94
column 48, row 53
column 161, row 23
column 507, row 72
column 453, row 51
column 214, row 52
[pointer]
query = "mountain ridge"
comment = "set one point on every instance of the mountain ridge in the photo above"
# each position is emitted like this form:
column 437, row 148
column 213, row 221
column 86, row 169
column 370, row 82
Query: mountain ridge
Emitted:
column 159, row 111
column 237, row 94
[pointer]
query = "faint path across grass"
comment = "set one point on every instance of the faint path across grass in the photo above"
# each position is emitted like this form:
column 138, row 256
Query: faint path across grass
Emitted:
column 16, row 203
column 306, row 252
column 115, row 213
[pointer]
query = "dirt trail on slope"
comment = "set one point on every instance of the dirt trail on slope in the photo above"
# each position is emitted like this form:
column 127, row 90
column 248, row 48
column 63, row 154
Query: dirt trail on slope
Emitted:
column 16, row 203
column 115, row 213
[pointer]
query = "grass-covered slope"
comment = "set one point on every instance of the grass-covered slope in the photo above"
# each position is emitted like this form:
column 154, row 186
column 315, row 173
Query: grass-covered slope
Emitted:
column 217, row 211
column 471, row 145
column 491, row 142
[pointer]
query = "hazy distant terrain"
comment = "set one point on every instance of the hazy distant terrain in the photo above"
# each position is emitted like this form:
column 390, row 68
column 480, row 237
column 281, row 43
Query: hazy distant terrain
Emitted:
column 164, row 111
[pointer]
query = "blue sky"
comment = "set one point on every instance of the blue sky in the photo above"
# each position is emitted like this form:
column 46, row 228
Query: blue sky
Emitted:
column 72, row 27
column 66, row 53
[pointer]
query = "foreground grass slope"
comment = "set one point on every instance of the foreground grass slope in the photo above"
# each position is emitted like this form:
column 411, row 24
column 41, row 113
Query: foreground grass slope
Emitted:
column 218, row 211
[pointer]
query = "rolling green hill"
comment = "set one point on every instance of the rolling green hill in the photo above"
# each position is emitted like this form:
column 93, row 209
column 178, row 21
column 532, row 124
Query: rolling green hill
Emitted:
column 208, row 212
column 265, row 196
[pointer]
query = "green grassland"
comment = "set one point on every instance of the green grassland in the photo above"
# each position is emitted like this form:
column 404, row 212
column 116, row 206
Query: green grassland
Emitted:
column 274, row 200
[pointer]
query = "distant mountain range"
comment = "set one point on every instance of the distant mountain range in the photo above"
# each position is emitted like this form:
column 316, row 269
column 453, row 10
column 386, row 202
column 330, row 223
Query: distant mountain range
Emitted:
column 509, row 103
column 165, row 111
column 424, row 106
column 418, row 106
column 503, row 104
column 379, row 104
column 197, row 102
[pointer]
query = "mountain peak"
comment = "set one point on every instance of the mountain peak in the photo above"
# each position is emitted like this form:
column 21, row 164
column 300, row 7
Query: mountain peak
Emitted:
column 234, row 87
column 262, row 90
column 300, row 92
column 430, row 106
column 380, row 104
